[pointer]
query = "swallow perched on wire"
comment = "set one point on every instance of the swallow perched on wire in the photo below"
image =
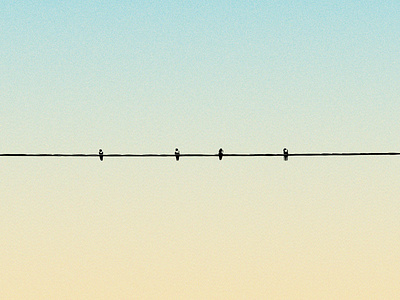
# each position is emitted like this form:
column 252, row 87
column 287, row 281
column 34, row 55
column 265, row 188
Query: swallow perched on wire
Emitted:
column 177, row 153
column 101, row 154
column 285, row 154
column 220, row 153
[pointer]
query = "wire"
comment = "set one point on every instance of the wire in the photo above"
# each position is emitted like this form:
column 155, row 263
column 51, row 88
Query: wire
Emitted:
column 285, row 155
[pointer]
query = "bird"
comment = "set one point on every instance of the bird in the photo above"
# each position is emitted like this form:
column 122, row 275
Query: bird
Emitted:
column 177, row 153
column 285, row 154
column 220, row 153
column 101, row 154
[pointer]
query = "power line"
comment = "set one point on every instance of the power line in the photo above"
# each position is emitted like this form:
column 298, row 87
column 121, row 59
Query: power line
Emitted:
column 285, row 154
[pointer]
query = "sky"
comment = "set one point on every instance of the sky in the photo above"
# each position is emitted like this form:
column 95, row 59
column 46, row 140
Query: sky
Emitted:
column 247, row 76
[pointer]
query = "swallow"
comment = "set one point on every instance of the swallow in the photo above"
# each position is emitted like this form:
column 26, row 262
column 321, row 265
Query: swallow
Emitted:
column 220, row 153
column 285, row 154
column 177, row 153
column 101, row 154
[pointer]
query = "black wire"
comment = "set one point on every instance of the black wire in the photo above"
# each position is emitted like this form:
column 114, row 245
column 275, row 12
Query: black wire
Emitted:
column 198, row 154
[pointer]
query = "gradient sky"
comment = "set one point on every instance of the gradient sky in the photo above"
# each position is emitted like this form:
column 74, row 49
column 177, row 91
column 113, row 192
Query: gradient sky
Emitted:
column 247, row 76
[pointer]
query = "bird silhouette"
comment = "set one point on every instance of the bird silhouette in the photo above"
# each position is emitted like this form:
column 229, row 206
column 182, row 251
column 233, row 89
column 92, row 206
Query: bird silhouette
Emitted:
column 101, row 154
column 285, row 154
column 177, row 153
column 220, row 153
